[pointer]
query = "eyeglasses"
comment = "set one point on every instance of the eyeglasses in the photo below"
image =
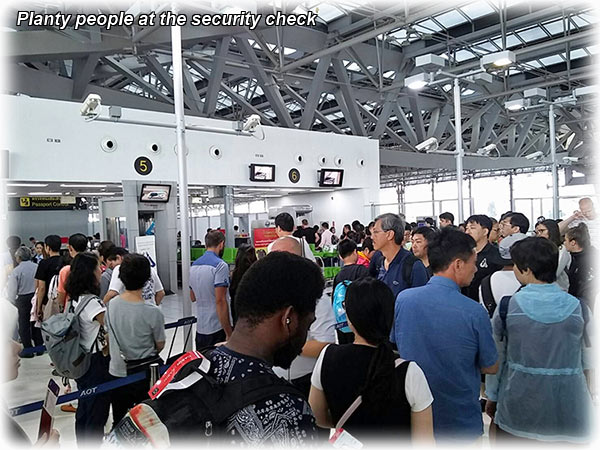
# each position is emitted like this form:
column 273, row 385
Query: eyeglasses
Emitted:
column 375, row 231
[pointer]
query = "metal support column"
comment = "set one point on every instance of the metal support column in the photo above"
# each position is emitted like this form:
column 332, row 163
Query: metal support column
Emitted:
column 433, row 198
column 511, row 192
column 459, row 149
column 184, row 215
column 228, row 198
column 400, row 190
column 471, row 201
column 555, row 205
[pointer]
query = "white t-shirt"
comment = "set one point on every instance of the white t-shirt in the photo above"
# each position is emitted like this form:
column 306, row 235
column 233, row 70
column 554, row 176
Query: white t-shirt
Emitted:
column 152, row 286
column 416, row 387
column 502, row 283
column 307, row 251
column 322, row 330
column 326, row 239
column 89, row 326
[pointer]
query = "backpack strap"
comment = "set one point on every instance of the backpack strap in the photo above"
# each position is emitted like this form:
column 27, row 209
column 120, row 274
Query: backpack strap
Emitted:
column 585, row 313
column 407, row 268
column 503, row 313
column 487, row 295
column 81, row 304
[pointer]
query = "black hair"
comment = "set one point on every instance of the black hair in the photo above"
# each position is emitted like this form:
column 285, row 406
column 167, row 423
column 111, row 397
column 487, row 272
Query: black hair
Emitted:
column 430, row 221
column 53, row 241
column 113, row 252
column 408, row 227
column 346, row 247
column 104, row 248
column 134, row 271
column 579, row 234
column 285, row 221
column 13, row 242
column 278, row 280
column 505, row 215
column 368, row 243
column 446, row 246
column 79, row 242
column 214, row 238
column 426, row 232
column 538, row 254
column 368, row 228
column 517, row 219
column 305, row 222
column 553, row 231
column 246, row 256
column 482, row 220
column 32, row 238
column 447, row 216
column 493, row 220
column 370, row 309
column 325, row 225
column 82, row 277
column 353, row 235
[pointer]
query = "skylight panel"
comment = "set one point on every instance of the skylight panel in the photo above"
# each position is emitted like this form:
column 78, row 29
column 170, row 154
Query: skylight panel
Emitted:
column 477, row 9
column 511, row 41
column 467, row 92
column 580, row 22
column 555, row 27
column 550, row 60
column 532, row 34
column 593, row 49
column 534, row 63
column 464, row 55
column 576, row 54
column 327, row 12
column 427, row 26
column 451, row 19
column 389, row 74
column 353, row 67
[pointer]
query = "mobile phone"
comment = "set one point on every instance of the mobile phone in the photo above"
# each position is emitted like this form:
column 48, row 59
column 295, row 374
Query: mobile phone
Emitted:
column 47, row 418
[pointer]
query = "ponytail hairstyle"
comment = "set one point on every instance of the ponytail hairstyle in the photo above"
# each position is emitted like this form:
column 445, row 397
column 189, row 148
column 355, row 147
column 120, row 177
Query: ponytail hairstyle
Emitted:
column 370, row 309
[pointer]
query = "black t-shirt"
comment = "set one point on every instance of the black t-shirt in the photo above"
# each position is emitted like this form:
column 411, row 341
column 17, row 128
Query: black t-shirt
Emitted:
column 343, row 374
column 581, row 275
column 46, row 269
column 376, row 261
column 488, row 262
column 351, row 272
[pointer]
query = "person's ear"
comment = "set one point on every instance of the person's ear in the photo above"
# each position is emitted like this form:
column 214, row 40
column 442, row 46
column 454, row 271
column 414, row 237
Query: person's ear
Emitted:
column 286, row 317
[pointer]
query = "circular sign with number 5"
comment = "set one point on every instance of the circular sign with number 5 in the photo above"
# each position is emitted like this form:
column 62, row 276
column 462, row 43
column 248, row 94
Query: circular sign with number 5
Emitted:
column 143, row 165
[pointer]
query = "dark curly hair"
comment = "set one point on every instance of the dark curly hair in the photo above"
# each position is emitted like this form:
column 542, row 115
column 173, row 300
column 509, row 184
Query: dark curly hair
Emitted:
column 82, row 278
column 277, row 281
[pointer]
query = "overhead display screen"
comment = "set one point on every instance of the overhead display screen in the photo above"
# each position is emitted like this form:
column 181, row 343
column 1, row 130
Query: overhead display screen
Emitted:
column 262, row 172
column 331, row 177
column 155, row 193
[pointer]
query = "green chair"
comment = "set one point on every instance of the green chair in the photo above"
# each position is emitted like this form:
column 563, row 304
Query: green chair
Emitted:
column 229, row 255
column 197, row 253
column 312, row 247
column 328, row 272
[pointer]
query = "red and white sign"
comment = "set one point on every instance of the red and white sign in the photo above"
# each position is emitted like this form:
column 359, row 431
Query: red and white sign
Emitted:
column 262, row 237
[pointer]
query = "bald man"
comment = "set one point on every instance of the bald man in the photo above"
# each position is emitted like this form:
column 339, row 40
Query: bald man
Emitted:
column 585, row 214
column 287, row 244
column 320, row 334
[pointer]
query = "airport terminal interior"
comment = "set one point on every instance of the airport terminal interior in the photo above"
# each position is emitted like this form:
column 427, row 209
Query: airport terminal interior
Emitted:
column 433, row 160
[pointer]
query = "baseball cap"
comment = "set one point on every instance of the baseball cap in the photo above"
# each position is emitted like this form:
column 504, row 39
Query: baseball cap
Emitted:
column 506, row 243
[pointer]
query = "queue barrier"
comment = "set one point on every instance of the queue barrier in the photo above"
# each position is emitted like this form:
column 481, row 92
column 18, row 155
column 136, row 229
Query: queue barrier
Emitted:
column 104, row 387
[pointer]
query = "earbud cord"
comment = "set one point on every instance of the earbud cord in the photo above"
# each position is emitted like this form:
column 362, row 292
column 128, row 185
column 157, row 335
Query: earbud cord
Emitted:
column 289, row 342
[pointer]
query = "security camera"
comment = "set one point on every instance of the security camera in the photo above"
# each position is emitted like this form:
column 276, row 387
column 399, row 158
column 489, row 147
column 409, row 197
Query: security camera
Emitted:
column 534, row 155
column 570, row 159
column 90, row 106
column 299, row 158
column 338, row 161
column 108, row 144
column 215, row 152
column 251, row 123
column 489, row 150
column 427, row 145
column 154, row 147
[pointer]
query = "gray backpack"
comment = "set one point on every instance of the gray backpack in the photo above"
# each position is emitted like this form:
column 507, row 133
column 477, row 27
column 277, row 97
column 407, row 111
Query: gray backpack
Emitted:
column 62, row 337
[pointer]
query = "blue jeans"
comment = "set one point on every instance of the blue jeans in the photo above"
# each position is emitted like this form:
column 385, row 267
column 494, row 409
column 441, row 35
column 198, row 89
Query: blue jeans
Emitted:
column 92, row 412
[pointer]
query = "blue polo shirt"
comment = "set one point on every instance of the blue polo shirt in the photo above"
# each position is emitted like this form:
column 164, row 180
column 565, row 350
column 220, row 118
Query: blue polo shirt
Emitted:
column 450, row 337
column 393, row 276
column 207, row 273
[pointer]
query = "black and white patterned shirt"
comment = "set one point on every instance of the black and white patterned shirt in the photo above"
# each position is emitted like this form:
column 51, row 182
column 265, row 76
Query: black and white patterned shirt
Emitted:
column 282, row 420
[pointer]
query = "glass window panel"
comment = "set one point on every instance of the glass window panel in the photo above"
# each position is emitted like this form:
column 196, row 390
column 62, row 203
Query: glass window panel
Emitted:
column 464, row 55
column 532, row 34
column 550, row 60
column 511, row 41
column 477, row 9
column 555, row 27
column 427, row 26
column 451, row 19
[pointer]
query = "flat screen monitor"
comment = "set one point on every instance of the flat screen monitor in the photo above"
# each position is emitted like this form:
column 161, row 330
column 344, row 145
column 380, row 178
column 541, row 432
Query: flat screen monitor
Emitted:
column 155, row 193
column 331, row 177
column 262, row 172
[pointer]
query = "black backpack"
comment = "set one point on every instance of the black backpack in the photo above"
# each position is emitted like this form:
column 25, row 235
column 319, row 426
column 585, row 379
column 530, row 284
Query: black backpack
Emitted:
column 192, row 404
column 487, row 296
column 407, row 267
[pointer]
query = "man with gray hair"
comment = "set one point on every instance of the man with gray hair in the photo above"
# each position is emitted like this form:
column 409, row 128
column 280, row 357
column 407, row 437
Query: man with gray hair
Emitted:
column 20, row 290
column 399, row 268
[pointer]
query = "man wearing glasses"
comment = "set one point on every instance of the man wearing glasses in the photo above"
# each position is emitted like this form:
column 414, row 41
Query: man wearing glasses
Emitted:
column 399, row 268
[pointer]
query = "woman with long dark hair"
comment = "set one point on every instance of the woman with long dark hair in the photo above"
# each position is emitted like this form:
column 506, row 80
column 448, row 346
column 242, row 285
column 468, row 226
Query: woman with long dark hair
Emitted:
column 548, row 229
column 246, row 256
column 83, row 285
column 395, row 397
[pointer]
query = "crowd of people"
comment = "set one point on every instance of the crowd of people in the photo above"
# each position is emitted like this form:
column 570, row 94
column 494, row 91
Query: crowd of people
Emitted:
column 438, row 326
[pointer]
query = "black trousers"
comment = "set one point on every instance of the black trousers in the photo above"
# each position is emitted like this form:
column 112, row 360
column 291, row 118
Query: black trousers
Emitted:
column 209, row 340
column 27, row 330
